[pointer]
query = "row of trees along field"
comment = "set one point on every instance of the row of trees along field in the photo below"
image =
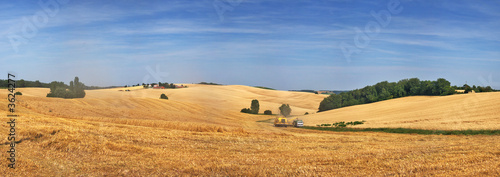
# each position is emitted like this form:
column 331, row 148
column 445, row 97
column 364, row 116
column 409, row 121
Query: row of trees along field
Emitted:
column 25, row 83
column 388, row 90
column 468, row 88
column 22, row 83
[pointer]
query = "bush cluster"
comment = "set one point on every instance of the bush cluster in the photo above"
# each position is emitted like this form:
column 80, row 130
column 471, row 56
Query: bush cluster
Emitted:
column 268, row 112
column 254, row 108
column 163, row 96
column 61, row 90
column 342, row 124
column 246, row 110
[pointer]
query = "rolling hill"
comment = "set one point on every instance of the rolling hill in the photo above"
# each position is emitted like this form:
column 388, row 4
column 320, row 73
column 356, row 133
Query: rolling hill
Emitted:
column 199, row 131
column 455, row 112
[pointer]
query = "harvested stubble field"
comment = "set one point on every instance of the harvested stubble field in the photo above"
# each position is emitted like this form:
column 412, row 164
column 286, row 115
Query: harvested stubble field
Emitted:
column 199, row 131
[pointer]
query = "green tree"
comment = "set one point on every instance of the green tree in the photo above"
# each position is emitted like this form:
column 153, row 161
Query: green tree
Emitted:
column 285, row 110
column 268, row 112
column 38, row 83
column 442, row 87
column 255, row 106
column 384, row 95
column 371, row 94
column 399, row 90
column 21, row 83
column 163, row 96
column 413, row 86
column 78, row 88
column 467, row 88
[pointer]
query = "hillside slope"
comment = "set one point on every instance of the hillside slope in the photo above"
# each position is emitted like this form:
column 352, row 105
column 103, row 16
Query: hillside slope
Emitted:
column 465, row 111
column 218, row 105
column 199, row 131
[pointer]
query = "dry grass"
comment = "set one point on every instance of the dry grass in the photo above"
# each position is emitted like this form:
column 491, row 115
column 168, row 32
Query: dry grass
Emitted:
column 454, row 112
column 112, row 133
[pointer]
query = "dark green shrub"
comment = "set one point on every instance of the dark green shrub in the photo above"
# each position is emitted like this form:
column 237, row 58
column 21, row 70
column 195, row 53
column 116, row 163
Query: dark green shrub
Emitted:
column 18, row 93
column 306, row 113
column 268, row 112
column 163, row 96
column 246, row 110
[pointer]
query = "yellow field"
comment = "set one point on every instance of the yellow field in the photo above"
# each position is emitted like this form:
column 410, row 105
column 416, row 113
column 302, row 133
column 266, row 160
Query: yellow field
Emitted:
column 200, row 131
column 454, row 112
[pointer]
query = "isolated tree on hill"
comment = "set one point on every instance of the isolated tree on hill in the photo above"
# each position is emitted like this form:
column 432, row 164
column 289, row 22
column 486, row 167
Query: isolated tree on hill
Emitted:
column 255, row 106
column 285, row 110
column 163, row 96
column 268, row 112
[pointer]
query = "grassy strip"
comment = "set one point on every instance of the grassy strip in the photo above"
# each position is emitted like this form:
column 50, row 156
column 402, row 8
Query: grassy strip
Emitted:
column 409, row 131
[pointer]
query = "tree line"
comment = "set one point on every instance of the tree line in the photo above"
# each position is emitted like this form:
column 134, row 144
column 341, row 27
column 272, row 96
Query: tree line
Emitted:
column 477, row 89
column 25, row 83
column 160, row 84
column 387, row 90
column 22, row 83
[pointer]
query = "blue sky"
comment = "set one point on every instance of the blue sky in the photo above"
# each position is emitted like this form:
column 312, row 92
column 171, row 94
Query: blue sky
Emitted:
column 274, row 43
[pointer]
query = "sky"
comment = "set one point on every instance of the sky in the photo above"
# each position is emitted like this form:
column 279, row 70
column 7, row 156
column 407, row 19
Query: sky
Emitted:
column 286, row 45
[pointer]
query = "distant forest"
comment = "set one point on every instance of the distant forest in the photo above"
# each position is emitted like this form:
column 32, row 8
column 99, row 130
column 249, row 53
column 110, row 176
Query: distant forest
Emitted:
column 389, row 90
column 22, row 83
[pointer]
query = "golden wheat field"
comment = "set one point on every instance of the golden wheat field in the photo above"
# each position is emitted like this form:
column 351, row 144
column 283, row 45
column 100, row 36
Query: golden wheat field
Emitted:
column 200, row 131
column 453, row 112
